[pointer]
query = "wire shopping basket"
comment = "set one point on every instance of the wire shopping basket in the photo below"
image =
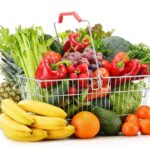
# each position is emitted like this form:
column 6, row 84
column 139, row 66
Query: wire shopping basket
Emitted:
column 121, row 94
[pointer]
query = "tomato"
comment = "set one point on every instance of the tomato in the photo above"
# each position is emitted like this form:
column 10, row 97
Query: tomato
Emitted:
column 73, row 76
column 83, row 83
column 106, row 64
column 132, row 118
column 104, row 74
column 121, row 56
column 143, row 112
column 72, row 90
column 71, row 69
column 145, row 126
column 81, row 68
column 130, row 129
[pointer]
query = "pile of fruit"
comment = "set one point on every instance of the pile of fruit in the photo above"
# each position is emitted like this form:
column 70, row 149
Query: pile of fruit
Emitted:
column 23, row 122
column 71, row 80
column 137, row 122
column 45, row 121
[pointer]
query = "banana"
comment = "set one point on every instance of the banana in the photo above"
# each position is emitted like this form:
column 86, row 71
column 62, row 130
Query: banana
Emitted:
column 17, row 133
column 7, row 123
column 48, row 123
column 37, row 135
column 15, row 112
column 62, row 133
column 42, row 108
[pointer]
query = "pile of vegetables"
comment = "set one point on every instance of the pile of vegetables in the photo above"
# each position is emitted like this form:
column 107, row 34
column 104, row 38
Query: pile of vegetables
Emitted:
column 26, row 47
column 79, row 76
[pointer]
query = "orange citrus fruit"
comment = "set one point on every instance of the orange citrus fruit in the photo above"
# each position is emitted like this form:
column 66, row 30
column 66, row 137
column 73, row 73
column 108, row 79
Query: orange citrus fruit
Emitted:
column 86, row 124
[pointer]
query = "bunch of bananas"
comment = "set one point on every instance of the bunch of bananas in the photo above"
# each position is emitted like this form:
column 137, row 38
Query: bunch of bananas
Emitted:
column 44, row 122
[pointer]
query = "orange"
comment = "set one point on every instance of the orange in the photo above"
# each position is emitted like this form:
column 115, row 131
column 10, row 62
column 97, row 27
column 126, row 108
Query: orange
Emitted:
column 132, row 118
column 145, row 126
column 143, row 112
column 130, row 129
column 86, row 124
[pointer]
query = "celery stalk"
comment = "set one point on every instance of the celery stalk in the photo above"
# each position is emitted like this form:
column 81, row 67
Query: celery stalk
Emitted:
column 26, row 46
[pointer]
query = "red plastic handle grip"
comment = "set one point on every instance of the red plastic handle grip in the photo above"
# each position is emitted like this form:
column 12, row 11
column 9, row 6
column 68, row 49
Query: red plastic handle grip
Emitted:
column 72, row 13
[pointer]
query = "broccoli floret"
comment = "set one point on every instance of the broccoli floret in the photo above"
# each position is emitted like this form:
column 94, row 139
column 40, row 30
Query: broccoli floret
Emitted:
column 113, row 45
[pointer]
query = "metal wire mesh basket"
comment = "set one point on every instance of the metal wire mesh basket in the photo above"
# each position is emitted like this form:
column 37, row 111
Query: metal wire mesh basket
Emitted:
column 121, row 94
column 122, row 98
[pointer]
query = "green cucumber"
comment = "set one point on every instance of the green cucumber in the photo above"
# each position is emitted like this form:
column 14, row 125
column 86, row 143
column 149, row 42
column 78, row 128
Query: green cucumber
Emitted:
column 55, row 46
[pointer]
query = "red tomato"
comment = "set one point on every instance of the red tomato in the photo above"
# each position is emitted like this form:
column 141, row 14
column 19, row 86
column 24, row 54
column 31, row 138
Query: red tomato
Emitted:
column 106, row 64
column 145, row 126
column 81, row 68
column 72, row 90
column 71, row 69
column 73, row 76
column 104, row 73
column 130, row 129
column 83, row 82
column 132, row 118
column 143, row 112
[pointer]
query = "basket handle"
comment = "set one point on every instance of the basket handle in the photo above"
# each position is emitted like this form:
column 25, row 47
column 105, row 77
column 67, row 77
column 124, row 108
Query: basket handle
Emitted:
column 71, row 13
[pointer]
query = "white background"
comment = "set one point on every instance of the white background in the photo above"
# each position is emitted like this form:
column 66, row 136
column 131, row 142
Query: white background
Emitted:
column 129, row 18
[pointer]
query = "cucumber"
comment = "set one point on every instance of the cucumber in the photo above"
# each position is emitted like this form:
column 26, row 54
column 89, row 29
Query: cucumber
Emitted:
column 55, row 46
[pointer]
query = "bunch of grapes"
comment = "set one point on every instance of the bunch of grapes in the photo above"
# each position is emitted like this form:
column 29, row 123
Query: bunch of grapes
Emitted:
column 91, row 57
column 88, row 57
column 74, row 57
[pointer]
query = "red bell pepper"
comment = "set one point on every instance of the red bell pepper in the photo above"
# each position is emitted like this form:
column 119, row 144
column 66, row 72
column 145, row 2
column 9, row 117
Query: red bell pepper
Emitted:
column 116, row 68
column 121, row 56
column 144, row 70
column 54, row 57
column 131, row 69
column 118, row 63
column 72, row 44
column 51, row 68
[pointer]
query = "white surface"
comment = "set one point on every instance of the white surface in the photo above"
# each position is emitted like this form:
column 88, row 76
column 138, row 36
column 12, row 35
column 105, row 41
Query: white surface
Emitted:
column 105, row 143
column 130, row 18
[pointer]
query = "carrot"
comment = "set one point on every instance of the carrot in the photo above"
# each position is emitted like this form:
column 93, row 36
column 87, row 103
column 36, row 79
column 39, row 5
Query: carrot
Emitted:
column 99, row 93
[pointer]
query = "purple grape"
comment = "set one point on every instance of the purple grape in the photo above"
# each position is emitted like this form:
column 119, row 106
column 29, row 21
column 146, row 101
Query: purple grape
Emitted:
column 84, row 61
column 99, row 56
column 89, row 51
column 89, row 54
column 93, row 67
column 86, row 55
column 100, row 64
column 74, row 57
column 93, row 59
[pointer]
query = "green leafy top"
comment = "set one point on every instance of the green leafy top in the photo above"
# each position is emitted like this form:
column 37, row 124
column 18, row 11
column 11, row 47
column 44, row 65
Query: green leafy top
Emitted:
column 140, row 51
column 126, row 98
column 26, row 46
